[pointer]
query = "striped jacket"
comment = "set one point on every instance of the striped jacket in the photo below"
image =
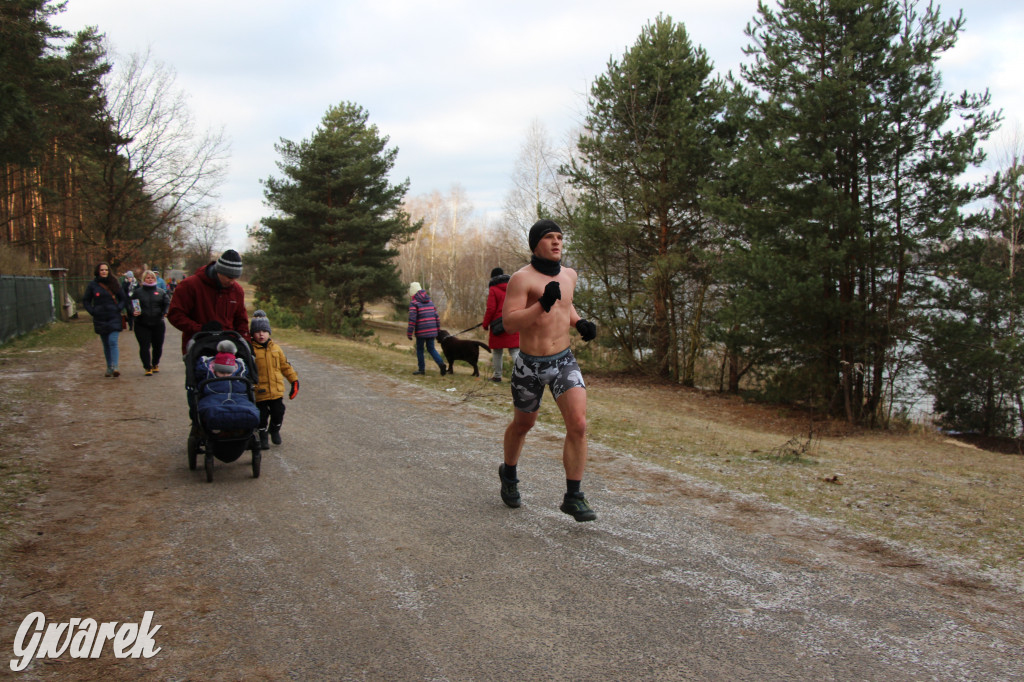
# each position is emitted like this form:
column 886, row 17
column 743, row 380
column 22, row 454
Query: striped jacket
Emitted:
column 423, row 320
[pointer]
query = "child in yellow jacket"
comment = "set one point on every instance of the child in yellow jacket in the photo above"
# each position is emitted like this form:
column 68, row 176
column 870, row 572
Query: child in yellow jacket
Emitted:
column 273, row 369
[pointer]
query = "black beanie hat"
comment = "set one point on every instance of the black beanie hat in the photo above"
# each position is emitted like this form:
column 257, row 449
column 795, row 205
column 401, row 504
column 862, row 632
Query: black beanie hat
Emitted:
column 496, row 271
column 541, row 228
column 230, row 264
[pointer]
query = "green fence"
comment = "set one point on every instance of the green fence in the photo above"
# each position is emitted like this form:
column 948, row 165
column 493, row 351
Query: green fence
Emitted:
column 76, row 287
column 26, row 303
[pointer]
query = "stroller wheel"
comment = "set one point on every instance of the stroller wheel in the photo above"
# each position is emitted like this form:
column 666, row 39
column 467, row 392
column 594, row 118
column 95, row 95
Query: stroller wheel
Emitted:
column 257, row 457
column 209, row 467
column 193, row 451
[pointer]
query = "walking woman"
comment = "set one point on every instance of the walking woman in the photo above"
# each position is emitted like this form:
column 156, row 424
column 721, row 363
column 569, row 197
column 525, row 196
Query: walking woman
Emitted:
column 105, row 300
column 149, row 317
column 424, row 324
column 499, row 339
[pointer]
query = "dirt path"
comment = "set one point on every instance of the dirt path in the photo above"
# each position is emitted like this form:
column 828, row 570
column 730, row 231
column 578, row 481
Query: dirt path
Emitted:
column 374, row 546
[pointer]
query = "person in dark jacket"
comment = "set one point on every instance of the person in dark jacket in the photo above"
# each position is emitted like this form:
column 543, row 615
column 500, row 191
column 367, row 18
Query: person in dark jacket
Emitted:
column 498, row 338
column 105, row 300
column 211, row 294
column 130, row 284
column 149, row 305
column 423, row 322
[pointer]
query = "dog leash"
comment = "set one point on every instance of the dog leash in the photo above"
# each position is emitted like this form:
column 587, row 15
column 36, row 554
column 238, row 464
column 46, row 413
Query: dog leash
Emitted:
column 470, row 329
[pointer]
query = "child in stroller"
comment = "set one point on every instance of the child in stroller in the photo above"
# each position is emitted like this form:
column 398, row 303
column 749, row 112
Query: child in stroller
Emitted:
column 219, row 386
column 225, row 404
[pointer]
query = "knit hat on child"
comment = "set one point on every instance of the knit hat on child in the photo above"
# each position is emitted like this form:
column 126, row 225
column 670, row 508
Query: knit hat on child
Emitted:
column 224, row 360
column 260, row 322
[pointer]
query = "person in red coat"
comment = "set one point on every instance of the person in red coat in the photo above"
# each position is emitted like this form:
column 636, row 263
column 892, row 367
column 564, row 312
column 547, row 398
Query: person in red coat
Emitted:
column 499, row 339
column 212, row 294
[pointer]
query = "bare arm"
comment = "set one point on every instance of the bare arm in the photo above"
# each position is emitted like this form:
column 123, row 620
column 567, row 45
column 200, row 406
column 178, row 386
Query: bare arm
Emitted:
column 574, row 316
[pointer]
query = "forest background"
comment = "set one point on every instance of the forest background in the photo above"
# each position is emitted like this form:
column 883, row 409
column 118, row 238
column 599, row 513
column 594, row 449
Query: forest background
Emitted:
column 801, row 232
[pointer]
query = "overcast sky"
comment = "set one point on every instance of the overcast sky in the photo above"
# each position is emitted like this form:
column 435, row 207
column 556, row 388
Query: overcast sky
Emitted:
column 455, row 84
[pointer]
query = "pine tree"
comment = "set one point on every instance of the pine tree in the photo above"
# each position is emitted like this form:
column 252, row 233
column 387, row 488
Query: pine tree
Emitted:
column 28, row 77
column 329, row 248
column 652, row 131
column 52, row 125
column 850, row 186
column 973, row 347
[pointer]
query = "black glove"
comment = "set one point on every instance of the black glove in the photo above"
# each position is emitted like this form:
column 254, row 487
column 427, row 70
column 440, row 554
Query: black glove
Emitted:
column 295, row 390
column 552, row 293
column 587, row 329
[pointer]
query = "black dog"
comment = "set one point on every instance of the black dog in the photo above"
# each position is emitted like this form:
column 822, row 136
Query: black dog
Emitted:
column 460, row 349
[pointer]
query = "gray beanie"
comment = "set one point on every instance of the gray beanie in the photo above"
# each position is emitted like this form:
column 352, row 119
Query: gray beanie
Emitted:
column 230, row 264
column 259, row 323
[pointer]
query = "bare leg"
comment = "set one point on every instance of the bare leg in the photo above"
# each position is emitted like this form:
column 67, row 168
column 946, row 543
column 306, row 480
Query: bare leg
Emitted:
column 573, row 406
column 515, row 435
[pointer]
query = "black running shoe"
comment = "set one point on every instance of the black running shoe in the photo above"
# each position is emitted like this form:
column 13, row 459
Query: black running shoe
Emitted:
column 509, row 489
column 576, row 506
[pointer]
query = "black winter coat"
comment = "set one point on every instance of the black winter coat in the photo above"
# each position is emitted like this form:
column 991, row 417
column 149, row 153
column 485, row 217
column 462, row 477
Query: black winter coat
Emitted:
column 154, row 303
column 104, row 307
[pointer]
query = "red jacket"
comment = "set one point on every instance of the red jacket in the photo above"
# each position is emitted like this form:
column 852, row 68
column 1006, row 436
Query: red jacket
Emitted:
column 199, row 299
column 495, row 302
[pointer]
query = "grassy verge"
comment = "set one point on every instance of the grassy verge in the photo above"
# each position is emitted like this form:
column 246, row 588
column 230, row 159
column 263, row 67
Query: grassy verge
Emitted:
column 919, row 490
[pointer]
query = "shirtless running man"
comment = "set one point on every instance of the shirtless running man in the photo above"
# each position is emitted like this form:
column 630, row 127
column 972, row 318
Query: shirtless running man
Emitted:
column 538, row 305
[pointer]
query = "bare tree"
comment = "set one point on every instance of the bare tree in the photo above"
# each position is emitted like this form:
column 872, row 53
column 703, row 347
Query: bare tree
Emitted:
column 538, row 191
column 452, row 255
column 417, row 259
column 158, row 172
column 1009, row 194
column 207, row 236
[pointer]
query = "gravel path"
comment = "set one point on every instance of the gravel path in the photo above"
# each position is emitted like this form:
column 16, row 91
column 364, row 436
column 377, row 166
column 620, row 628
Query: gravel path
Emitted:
column 375, row 546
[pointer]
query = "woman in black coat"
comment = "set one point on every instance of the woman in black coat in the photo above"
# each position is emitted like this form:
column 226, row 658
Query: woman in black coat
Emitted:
column 105, row 300
column 149, row 320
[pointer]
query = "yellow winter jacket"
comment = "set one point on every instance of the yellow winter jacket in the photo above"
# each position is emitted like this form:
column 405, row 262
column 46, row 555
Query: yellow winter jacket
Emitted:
column 273, row 368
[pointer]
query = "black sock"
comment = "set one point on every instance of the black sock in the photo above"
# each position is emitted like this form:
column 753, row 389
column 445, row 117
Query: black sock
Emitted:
column 510, row 472
column 572, row 486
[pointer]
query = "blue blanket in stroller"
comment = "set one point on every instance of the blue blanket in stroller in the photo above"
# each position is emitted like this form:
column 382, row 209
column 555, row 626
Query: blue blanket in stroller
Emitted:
column 224, row 402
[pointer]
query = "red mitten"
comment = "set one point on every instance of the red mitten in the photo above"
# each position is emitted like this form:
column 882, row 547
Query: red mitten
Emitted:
column 295, row 390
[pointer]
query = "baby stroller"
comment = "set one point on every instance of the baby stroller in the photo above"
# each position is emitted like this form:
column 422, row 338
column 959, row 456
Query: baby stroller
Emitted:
column 227, row 445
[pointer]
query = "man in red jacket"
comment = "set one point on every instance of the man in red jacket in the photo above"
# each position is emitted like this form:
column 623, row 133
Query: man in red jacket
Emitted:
column 212, row 294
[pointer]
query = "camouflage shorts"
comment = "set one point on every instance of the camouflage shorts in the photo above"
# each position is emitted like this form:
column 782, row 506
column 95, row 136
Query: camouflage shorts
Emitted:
column 531, row 374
